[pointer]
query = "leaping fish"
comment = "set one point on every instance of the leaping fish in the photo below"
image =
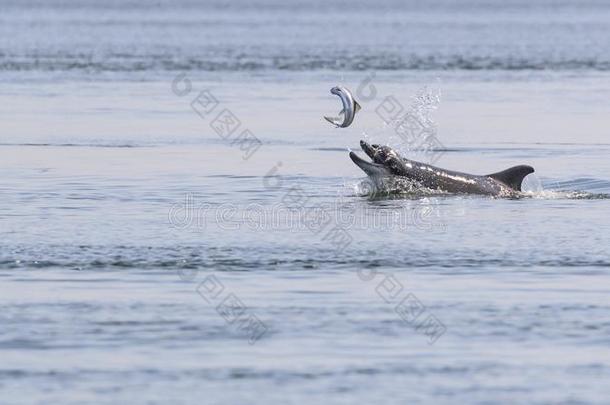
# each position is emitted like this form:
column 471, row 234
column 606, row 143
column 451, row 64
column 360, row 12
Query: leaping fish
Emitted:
column 350, row 108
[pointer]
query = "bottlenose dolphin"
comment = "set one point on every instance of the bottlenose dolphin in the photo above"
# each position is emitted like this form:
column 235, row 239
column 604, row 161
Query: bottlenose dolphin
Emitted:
column 350, row 108
column 386, row 163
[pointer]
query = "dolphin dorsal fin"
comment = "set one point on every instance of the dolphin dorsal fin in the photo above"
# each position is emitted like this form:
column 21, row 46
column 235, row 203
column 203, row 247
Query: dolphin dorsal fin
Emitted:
column 513, row 177
column 357, row 106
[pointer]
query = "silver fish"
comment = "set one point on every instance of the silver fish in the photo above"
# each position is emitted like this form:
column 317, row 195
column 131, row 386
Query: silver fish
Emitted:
column 350, row 108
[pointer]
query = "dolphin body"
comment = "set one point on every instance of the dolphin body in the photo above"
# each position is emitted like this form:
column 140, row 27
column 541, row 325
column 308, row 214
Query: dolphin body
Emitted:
column 350, row 108
column 386, row 162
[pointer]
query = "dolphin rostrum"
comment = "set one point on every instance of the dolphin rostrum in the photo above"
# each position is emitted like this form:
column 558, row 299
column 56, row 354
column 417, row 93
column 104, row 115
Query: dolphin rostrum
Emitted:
column 350, row 108
column 386, row 163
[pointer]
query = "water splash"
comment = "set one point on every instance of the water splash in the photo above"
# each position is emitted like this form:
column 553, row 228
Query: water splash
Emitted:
column 574, row 189
column 393, row 187
column 533, row 188
column 411, row 131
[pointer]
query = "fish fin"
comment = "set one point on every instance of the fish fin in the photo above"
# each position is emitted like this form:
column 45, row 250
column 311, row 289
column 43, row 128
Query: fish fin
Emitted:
column 333, row 120
column 513, row 177
column 357, row 106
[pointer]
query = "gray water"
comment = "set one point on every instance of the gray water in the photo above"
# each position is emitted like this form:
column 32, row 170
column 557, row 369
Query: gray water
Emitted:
column 146, row 259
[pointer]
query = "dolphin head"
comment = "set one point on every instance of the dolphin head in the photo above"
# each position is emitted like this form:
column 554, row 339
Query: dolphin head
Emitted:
column 385, row 160
column 384, row 155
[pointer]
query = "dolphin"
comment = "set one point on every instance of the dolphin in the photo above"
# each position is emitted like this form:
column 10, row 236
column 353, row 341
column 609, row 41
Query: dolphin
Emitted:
column 387, row 163
column 350, row 108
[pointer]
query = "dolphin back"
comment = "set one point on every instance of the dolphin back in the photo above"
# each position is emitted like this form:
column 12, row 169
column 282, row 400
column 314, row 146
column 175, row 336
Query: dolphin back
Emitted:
column 513, row 177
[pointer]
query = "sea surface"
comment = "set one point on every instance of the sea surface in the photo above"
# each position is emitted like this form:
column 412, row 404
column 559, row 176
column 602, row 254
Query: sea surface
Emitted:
column 178, row 223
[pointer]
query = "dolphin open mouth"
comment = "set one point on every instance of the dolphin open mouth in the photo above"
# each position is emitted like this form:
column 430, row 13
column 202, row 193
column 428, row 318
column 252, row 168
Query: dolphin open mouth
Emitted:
column 370, row 150
column 370, row 168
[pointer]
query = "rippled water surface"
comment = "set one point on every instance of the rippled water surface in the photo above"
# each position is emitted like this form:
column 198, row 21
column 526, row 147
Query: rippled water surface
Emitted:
column 80, row 37
column 146, row 259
